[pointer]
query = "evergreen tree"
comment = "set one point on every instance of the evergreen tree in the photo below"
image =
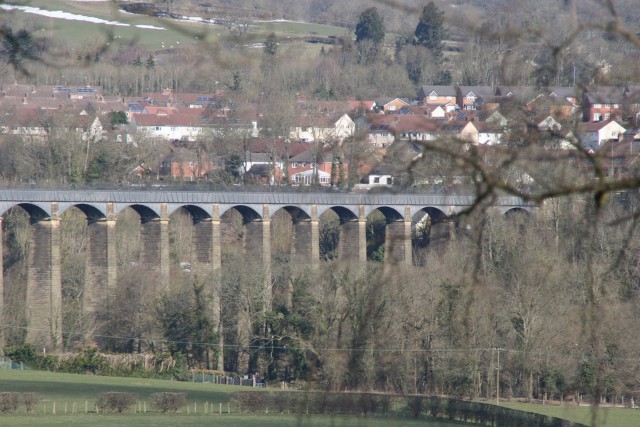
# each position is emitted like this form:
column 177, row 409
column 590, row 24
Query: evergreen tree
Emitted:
column 431, row 31
column 370, row 27
column 151, row 62
column 271, row 45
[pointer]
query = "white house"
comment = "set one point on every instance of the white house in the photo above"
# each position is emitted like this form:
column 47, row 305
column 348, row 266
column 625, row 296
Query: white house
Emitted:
column 323, row 128
column 172, row 126
column 593, row 135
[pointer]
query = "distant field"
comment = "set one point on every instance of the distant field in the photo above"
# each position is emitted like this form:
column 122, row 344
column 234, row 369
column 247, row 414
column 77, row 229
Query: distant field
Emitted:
column 609, row 417
column 175, row 34
column 69, row 388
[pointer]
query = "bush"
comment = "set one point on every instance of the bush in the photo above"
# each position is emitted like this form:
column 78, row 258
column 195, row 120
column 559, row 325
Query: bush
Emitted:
column 168, row 401
column 27, row 354
column 30, row 400
column 115, row 401
column 9, row 401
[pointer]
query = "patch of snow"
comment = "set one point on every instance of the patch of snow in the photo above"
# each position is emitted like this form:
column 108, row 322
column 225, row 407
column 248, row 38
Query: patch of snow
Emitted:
column 58, row 14
column 149, row 27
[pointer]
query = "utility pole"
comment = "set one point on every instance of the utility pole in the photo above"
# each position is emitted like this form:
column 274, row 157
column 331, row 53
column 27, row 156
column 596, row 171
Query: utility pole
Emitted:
column 498, row 379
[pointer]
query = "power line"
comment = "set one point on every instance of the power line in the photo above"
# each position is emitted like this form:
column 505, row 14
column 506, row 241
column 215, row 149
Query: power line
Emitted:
column 466, row 350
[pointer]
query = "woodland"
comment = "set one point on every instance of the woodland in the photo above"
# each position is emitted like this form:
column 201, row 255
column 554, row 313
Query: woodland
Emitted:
column 541, row 306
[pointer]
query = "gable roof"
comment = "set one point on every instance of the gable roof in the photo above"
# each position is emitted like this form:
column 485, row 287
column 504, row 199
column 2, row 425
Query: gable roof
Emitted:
column 478, row 91
column 174, row 120
column 603, row 95
column 427, row 90
column 595, row 126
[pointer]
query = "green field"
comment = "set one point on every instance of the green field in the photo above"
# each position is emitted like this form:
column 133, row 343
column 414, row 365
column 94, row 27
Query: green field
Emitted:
column 65, row 389
column 69, row 388
column 176, row 33
column 610, row 417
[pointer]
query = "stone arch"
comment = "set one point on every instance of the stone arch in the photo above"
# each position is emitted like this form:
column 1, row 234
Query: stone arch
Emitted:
column 517, row 211
column 20, row 305
column 153, row 238
column 291, row 234
column 91, row 212
column 386, row 236
column 424, row 225
column 191, row 240
column 245, row 231
column 41, row 299
column 197, row 213
column 339, row 234
column 429, row 225
column 145, row 213
column 36, row 212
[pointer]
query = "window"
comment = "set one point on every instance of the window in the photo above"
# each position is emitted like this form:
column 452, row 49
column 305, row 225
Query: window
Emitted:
column 607, row 105
column 376, row 180
column 597, row 105
column 449, row 98
column 596, row 117
column 616, row 105
column 294, row 165
column 607, row 116
column 433, row 97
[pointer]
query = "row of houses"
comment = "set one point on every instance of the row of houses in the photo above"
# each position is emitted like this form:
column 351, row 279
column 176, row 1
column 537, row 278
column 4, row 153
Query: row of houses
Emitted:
column 483, row 115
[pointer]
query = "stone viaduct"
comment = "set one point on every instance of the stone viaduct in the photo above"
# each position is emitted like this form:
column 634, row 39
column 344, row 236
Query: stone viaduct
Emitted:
column 45, row 207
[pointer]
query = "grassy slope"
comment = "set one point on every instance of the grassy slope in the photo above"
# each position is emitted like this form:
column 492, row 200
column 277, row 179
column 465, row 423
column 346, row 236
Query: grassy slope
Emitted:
column 82, row 34
column 609, row 417
column 69, row 388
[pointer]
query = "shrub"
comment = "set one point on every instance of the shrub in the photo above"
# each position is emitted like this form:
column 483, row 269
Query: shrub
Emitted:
column 9, row 401
column 27, row 354
column 168, row 401
column 116, row 401
column 30, row 400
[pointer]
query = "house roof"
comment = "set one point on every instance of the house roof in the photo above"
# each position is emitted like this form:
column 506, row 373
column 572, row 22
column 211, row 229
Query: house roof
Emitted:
column 259, row 170
column 381, row 102
column 522, row 93
column 438, row 90
column 178, row 119
column 366, row 105
column 595, row 126
column 566, row 92
column 322, row 121
column 403, row 123
column 479, row 91
column 604, row 95
column 383, row 169
column 455, row 126
column 278, row 146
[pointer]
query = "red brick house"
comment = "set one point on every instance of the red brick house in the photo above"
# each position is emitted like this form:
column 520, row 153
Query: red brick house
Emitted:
column 602, row 103
column 182, row 164
column 329, row 170
column 438, row 95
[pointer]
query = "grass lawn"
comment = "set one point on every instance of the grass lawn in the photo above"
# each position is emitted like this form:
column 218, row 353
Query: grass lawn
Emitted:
column 73, row 387
column 65, row 389
column 208, row 420
column 610, row 417
column 87, row 35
